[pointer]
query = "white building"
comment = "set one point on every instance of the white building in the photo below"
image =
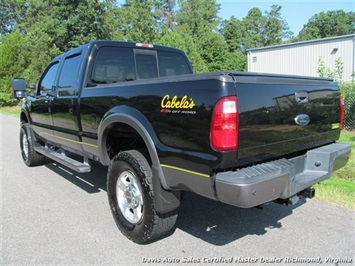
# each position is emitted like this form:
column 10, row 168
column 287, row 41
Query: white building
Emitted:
column 301, row 58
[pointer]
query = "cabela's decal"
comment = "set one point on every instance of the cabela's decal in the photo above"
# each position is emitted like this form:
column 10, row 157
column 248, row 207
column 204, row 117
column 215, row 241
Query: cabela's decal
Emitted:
column 175, row 103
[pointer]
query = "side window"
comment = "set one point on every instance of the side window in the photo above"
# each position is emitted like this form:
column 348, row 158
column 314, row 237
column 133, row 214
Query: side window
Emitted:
column 68, row 76
column 113, row 64
column 48, row 79
column 171, row 64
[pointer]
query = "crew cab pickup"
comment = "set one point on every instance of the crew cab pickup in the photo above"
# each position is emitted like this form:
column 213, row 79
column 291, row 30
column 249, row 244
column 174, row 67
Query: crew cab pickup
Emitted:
column 244, row 139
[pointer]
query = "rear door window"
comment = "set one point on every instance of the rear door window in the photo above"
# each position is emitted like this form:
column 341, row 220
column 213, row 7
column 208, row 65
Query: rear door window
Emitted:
column 68, row 83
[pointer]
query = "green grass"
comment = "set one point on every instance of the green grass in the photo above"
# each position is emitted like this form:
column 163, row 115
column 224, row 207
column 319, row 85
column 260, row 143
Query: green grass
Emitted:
column 348, row 171
column 338, row 190
column 13, row 110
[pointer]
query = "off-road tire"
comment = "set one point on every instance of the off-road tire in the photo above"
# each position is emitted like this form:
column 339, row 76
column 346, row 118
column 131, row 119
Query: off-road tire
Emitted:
column 130, row 176
column 27, row 145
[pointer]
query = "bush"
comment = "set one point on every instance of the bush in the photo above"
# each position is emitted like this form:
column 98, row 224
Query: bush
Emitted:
column 347, row 90
column 6, row 99
column 11, row 65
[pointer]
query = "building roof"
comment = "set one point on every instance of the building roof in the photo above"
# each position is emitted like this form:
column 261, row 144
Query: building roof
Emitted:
column 303, row 42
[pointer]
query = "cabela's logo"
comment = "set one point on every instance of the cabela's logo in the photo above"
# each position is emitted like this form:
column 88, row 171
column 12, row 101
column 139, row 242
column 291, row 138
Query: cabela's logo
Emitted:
column 176, row 103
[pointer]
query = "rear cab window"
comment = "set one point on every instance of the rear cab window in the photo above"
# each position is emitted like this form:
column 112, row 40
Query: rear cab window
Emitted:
column 112, row 65
column 122, row 64
column 171, row 64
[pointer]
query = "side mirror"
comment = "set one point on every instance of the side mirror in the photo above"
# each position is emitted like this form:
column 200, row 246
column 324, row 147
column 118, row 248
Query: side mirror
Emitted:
column 18, row 88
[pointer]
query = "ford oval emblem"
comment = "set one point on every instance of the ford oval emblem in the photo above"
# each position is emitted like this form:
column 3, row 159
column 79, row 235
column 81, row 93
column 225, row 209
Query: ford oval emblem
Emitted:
column 302, row 120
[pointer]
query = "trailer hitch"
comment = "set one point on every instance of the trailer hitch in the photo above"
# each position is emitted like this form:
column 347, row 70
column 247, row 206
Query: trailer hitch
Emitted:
column 307, row 193
column 290, row 201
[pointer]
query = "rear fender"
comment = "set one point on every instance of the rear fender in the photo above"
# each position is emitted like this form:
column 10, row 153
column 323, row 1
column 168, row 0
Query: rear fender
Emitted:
column 165, row 201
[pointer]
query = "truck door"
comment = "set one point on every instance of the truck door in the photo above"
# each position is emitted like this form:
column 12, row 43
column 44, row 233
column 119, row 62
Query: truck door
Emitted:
column 64, row 106
column 41, row 104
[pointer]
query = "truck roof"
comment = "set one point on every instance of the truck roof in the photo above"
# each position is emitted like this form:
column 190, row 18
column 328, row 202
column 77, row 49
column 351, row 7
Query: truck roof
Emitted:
column 135, row 45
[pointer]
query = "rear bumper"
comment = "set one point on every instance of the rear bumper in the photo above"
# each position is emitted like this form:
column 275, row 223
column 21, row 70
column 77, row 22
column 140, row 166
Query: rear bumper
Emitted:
column 280, row 179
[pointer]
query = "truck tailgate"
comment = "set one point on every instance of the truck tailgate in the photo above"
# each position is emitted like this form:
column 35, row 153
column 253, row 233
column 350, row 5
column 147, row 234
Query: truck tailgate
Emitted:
column 280, row 115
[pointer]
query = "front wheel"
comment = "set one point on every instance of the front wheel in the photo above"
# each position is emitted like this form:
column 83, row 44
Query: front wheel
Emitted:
column 27, row 145
column 131, row 198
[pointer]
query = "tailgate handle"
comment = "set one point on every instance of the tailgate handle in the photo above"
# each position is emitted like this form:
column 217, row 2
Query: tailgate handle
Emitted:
column 301, row 96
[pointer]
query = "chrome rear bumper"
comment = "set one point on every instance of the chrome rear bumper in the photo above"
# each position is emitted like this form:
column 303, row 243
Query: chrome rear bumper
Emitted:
column 280, row 179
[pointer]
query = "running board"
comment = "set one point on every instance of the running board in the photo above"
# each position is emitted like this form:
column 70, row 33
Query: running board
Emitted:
column 64, row 160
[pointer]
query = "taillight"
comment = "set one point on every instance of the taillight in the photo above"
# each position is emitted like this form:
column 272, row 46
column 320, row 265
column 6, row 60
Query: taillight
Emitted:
column 224, row 125
column 342, row 111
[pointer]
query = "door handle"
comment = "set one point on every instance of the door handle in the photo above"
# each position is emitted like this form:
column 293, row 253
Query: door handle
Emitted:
column 301, row 96
column 49, row 98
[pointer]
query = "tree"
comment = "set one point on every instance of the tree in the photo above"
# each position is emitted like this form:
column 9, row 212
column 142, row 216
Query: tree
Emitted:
column 111, row 20
column 186, row 43
column 138, row 20
column 85, row 22
column 69, row 23
column 11, row 13
column 254, row 24
column 214, row 51
column 233, row 33
column 166, row 18
column 198, row 17
column 37, row 50
column 276, row 28
column 237, row 60
column 256, row 30
column 10, row 65
column 306, row 34
column 328, row 24
column 246, row 33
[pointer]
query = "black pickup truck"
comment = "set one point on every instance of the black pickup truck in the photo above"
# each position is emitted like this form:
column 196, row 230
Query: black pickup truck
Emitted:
column 244, row 139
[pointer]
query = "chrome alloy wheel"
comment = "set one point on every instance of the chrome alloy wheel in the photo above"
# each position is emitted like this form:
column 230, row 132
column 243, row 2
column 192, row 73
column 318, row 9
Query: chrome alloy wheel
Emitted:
column 25, row 146
column 129, row 197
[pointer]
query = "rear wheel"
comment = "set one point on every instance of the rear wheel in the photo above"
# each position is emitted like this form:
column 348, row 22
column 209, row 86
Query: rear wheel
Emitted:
column 131, row 198
column 29, row 155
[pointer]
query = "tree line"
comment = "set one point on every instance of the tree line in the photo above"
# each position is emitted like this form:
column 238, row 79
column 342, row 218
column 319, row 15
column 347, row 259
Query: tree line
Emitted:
column 33, row 32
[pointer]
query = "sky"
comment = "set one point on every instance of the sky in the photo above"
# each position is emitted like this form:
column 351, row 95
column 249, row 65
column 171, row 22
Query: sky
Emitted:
column 296, row 13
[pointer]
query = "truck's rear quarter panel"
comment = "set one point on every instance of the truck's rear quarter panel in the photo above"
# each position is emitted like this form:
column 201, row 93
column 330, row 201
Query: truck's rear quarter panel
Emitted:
column 181, row 135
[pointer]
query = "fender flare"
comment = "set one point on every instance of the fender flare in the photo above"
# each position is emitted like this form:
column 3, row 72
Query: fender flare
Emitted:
column 165, row 200
column 25, row 113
